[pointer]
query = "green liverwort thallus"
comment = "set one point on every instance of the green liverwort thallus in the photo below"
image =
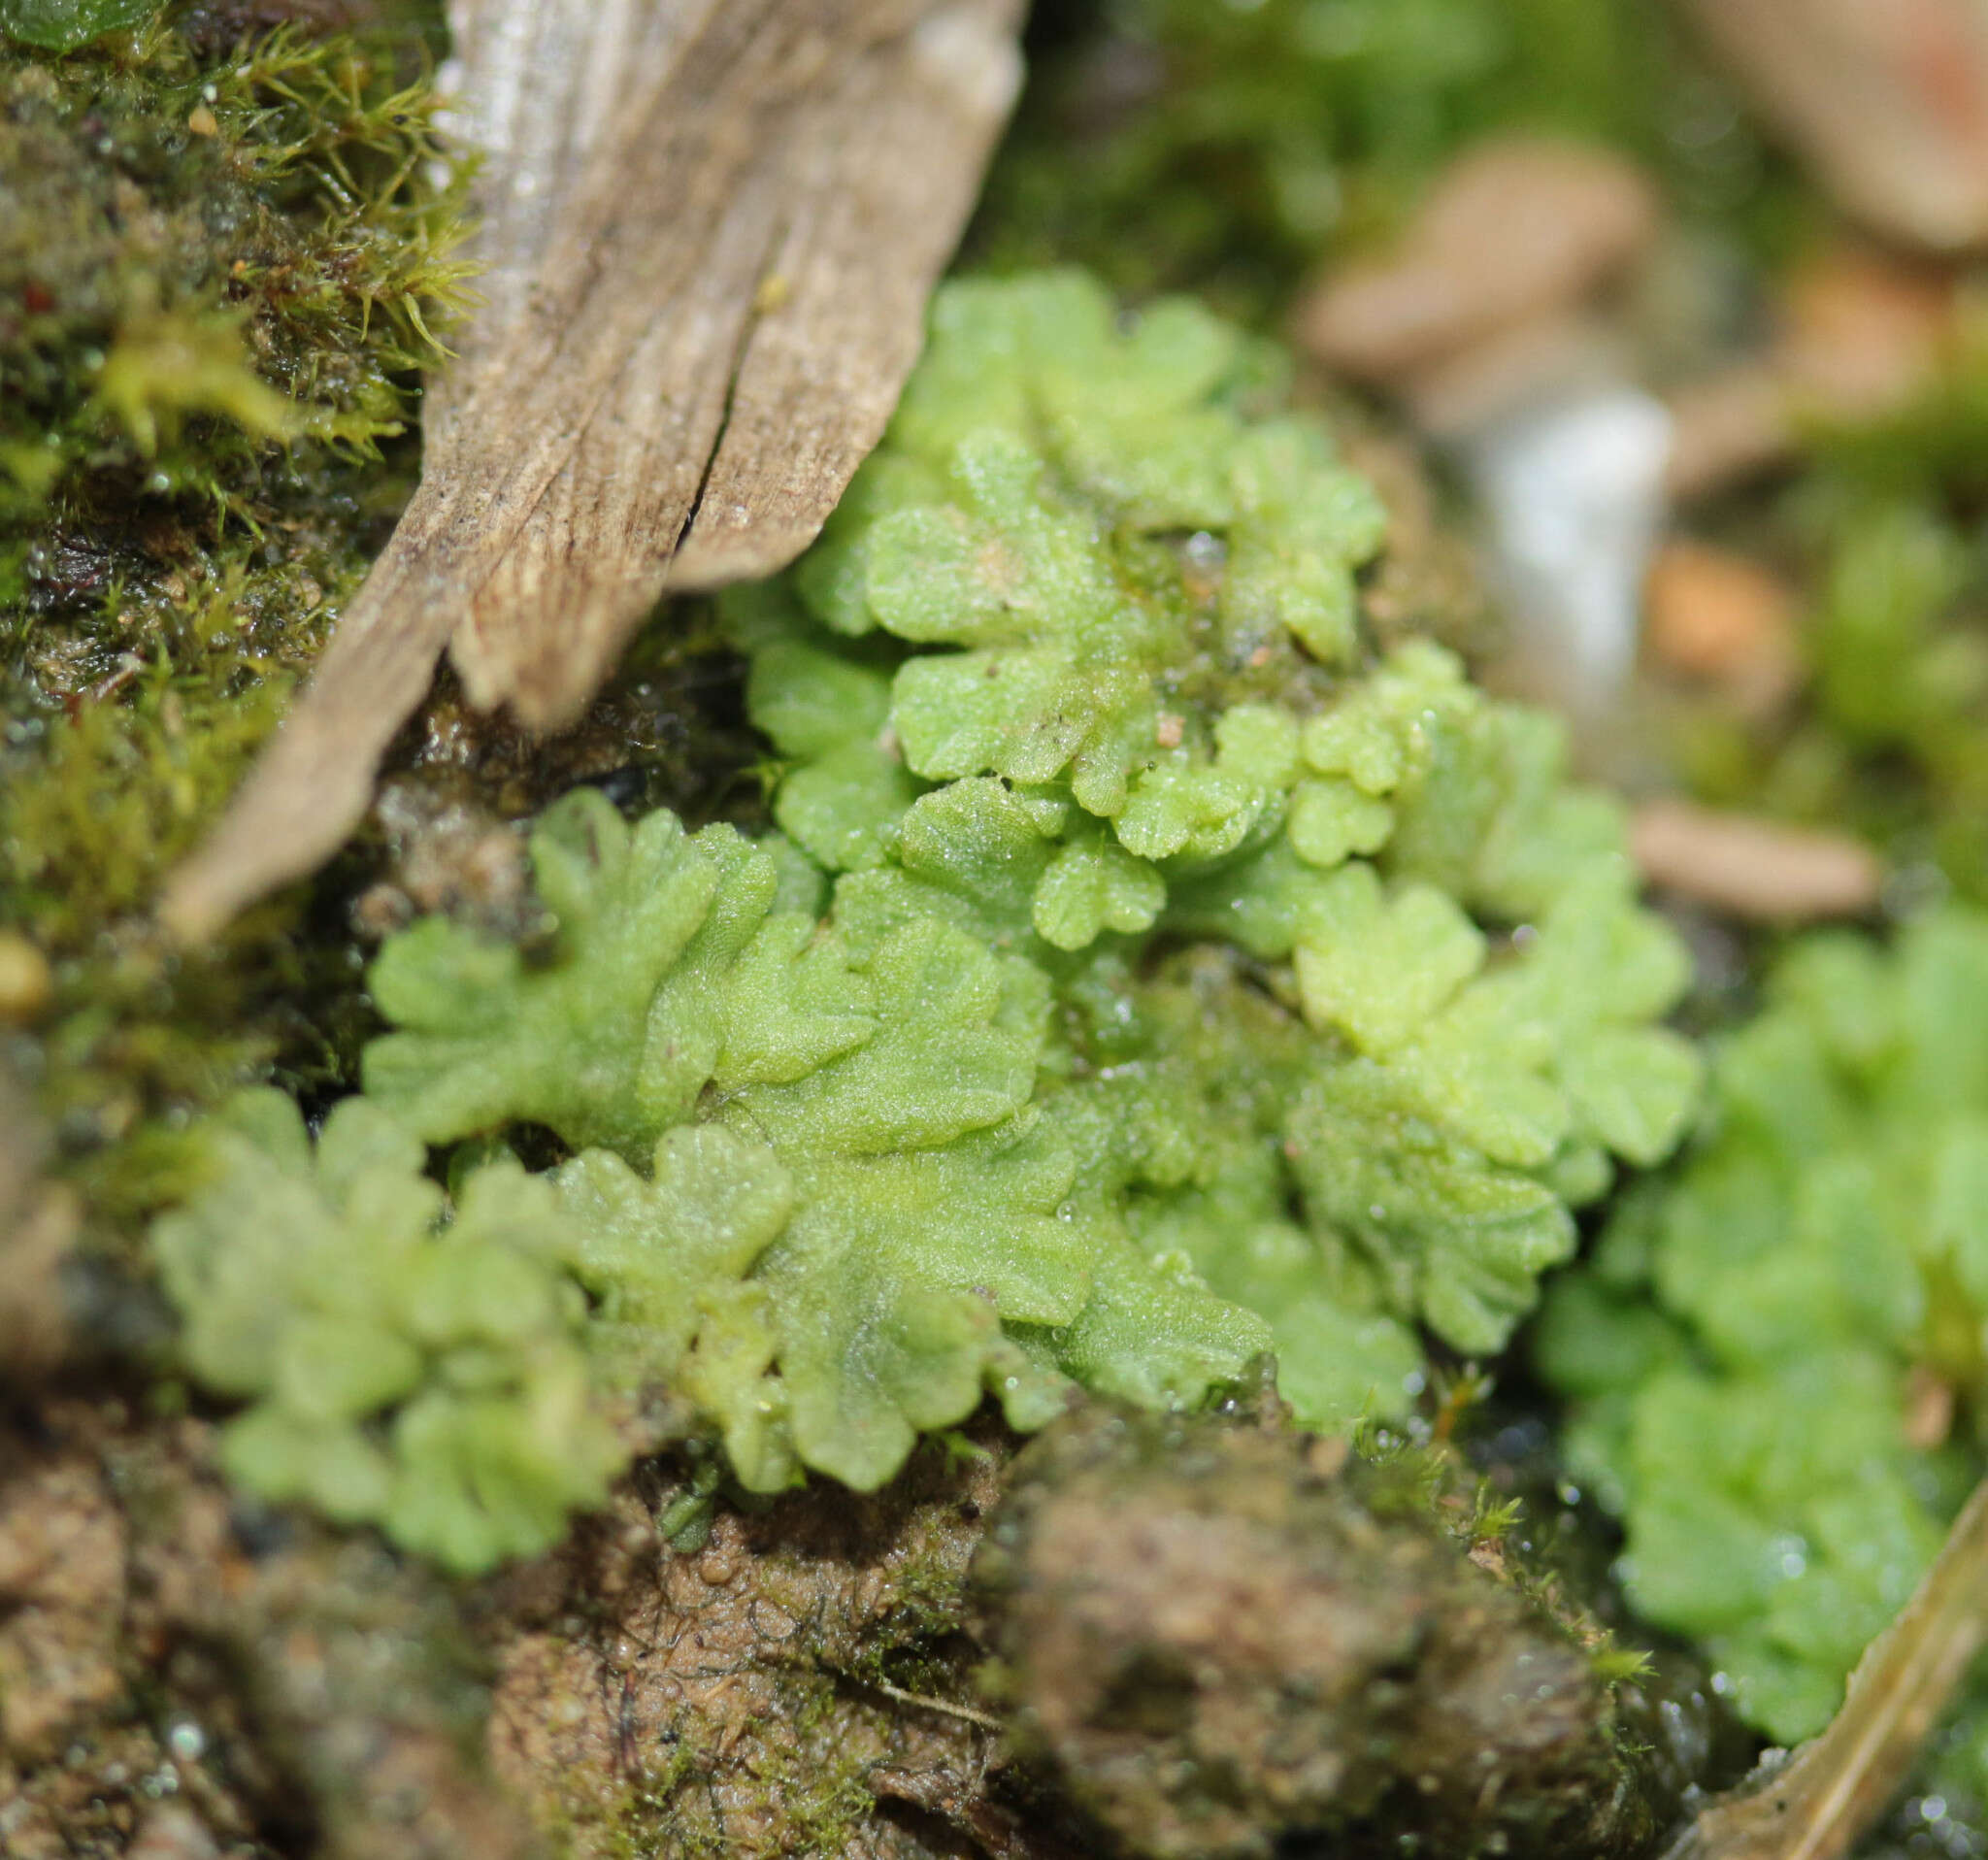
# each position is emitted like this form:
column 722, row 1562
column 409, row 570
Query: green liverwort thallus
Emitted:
column 1150, row 969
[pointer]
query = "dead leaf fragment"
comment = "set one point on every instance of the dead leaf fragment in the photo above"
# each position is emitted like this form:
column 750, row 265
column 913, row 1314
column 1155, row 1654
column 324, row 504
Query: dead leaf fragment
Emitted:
column 1750, row 867
column 1517, row 229
column 626, row 414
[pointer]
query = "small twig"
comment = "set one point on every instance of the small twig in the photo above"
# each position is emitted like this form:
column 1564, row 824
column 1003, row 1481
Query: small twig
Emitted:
column 984, row 1719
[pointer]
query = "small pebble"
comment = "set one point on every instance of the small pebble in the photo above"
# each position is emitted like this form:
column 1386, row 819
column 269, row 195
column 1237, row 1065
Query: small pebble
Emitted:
column 1713, row 614
column 1864, row 331
column 172, row 1833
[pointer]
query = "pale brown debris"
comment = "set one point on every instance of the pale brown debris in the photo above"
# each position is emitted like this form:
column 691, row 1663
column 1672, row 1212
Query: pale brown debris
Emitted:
column 1717, row 617
column 1518, row 228
column 1549, row 357
column 1860, row 332
column 1726, row 428
column 634, row 409
column 25, row 983
column 1930, row 1404
column 39, row 1222
column 1886, row 99
column 172, row 1833
column 1864, row 331
column 1750, row 867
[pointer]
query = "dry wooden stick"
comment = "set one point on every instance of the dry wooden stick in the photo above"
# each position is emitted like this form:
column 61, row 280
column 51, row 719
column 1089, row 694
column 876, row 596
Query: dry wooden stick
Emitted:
column 1816, row 1807
column 711, row 228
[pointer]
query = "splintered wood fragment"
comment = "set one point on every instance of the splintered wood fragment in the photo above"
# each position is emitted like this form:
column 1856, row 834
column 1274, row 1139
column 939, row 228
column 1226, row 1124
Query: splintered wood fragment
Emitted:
column 1815, row 1806
column 710, row 228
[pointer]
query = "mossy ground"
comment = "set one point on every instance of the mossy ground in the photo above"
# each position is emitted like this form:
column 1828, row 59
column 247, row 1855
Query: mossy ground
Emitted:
column 221, row 261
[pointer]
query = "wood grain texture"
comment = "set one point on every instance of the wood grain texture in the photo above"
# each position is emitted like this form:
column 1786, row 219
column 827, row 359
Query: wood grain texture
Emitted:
column 710, row 228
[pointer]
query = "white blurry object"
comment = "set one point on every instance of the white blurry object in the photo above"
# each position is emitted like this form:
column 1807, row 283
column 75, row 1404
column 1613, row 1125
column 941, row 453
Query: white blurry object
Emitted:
column 1573, row 491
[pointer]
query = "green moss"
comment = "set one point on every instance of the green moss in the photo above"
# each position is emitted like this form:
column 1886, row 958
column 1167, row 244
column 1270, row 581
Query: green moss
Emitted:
column 803, row 1790
column 61, row 25
column 220, row 264
column 202, row 255
column 1743, row 1346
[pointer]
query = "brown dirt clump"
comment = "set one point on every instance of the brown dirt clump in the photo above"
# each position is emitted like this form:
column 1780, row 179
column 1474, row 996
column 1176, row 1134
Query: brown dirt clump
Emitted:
column 1219, row 1642
column 283, row 1689
column 794, row 1685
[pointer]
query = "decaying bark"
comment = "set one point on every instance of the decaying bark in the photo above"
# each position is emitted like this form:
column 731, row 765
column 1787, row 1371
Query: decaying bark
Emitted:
column 711, row 228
